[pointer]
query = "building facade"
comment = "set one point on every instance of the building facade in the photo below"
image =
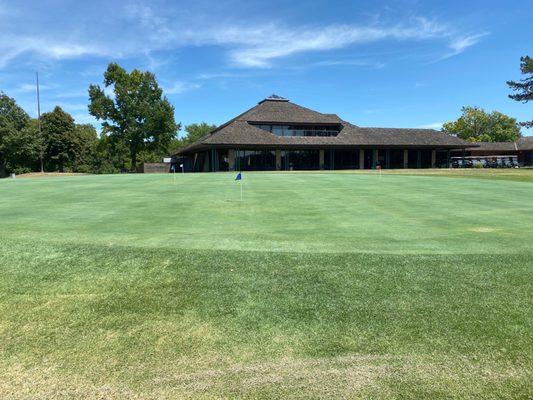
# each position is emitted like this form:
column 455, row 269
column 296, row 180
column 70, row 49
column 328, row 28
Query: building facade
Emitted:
column 277, row 134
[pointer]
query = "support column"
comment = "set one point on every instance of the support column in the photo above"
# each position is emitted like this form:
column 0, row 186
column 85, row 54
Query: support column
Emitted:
column 448, row 159
column 231, row 160
column 387, row 159
column 361, row 159
column 321, row 158
column 374, row 158
column 406, row 159
column 278, row 160
column 433, row 158
column 419, row 159
column 214, row 166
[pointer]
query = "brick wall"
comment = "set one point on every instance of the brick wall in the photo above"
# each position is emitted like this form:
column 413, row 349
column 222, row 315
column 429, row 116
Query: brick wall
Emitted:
column 155, row 168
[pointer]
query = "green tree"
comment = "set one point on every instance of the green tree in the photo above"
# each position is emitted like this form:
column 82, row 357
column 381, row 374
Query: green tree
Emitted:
column 525, row 86
column 197, row 131
column 138, row 114
column 475, row 125
column 23, row 149
column 58, row 134
column 17, row 140
column 111, row 156
column 83, row 144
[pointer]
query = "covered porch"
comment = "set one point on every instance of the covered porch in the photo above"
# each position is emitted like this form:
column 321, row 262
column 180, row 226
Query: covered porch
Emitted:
column 294, row 159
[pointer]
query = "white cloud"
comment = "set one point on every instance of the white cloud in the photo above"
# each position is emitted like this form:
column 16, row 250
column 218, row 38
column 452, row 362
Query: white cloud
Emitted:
column 220, row 75
column 258, row 48
column 460, row 43
column 433, row 125
column 349, row 63
column 72, row 94
column 48, row 48
column 30, row 87
column 140, row 30
column 180, row 87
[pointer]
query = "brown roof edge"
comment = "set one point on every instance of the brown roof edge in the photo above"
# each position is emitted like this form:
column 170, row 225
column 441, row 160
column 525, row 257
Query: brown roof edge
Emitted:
column 311, row 146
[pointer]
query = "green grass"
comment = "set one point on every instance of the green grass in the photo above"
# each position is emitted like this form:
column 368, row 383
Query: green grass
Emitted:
column 316, row 285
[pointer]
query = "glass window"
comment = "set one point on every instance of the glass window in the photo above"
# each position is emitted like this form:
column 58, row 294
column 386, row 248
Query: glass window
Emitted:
column 302, row 130
column 255, row 160
column 301, row 159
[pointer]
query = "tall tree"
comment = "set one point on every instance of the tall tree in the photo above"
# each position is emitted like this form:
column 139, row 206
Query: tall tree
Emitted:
column 112, row 156
column 13, row 124
column 197, row 131
column 83, row 144
column 475, row 125
column 524, row 87
column 23, row 149
column 137, row 114
column 58, row 130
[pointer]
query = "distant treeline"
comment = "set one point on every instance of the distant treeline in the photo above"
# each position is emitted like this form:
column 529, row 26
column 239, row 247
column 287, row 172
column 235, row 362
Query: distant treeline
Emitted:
column 137, row 126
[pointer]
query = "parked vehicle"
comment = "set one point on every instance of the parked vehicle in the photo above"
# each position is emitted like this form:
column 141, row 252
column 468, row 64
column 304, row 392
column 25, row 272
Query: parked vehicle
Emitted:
column 485, row 162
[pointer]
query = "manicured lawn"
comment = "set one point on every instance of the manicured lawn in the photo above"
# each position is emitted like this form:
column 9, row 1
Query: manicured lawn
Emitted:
column 316, row 285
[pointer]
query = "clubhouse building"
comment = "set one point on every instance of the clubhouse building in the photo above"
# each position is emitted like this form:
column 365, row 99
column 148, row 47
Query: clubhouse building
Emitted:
column 522, row 149
column 279, row 135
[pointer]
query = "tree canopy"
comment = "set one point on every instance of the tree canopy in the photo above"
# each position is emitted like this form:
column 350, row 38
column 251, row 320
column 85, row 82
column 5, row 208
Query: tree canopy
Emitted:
column 197, row 131
column 476, row 125
column 137, row 113
column 58, row 134
column 524, row 87
column 15, row 134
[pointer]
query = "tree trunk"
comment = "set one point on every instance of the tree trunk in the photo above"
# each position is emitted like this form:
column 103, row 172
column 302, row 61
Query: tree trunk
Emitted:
column 133, row 161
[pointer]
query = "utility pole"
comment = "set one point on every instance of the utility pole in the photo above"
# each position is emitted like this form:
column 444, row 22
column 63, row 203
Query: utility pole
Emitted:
column 39, row 123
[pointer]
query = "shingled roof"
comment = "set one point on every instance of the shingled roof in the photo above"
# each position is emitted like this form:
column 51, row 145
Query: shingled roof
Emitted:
column 241, row 131
column 525, row 143
column 522, row 144
column 495, row 146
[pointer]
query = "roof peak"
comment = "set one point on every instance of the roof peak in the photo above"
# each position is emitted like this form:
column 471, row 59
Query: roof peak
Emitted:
column 273, row 97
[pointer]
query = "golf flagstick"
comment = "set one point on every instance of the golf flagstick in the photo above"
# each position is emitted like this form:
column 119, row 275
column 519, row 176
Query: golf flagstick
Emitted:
column 239, row 178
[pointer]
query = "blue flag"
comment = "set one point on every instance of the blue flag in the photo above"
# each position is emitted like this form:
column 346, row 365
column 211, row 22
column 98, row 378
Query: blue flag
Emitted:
column 238, row 177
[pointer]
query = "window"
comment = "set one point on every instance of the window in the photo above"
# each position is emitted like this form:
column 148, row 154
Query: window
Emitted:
column 302, row 130
column 255, row 160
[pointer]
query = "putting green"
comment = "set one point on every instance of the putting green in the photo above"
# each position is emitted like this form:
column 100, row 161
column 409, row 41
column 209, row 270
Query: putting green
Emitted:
column 279, row 212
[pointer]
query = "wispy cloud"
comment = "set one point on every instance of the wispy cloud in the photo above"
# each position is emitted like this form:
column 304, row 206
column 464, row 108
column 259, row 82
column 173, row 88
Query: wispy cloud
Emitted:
column 220, row 75
column 349, row 63
column 13, row 46
column 180, row 87
column 70, row 94
column 141, row 30
column 261, row 47
column 433, row 125
column 459, row 44
column 30, row 87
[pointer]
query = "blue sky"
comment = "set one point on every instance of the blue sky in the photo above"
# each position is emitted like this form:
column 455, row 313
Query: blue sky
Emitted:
column 383, row 63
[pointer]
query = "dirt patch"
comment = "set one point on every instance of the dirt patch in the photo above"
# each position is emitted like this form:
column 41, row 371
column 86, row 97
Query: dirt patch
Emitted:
column 482, row 229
